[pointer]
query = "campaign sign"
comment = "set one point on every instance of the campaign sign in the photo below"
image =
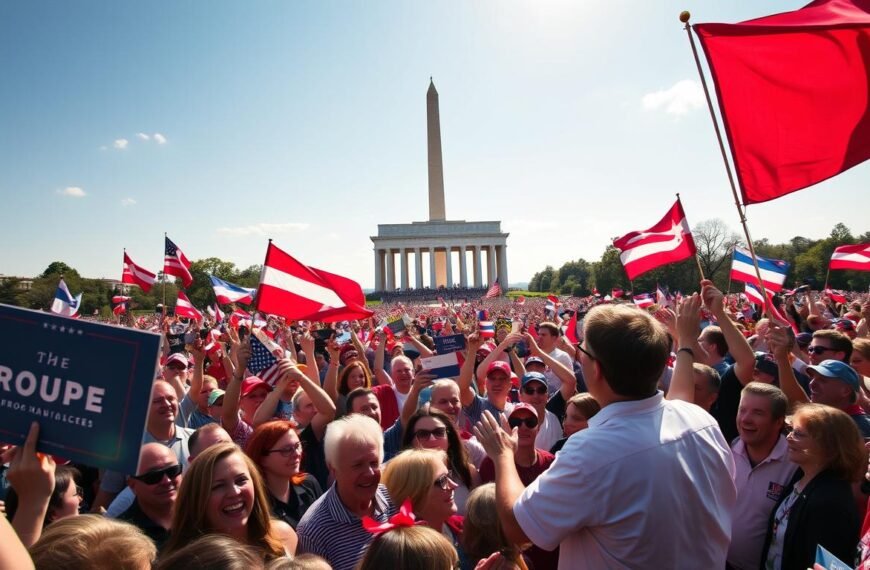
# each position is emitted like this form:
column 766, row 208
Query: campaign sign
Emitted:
column 88, row 385
column 442, row 365
column 451, row 343
column 827, row 561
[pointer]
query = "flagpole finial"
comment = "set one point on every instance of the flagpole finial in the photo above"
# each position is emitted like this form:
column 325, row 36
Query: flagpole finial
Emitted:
column 684, row 16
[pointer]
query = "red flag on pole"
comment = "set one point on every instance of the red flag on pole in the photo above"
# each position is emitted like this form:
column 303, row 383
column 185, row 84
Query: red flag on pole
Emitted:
column 295, row 291
column 137, row 275
column 669, row 241
column 571, row 331
column 793, row 92
column 184, row 308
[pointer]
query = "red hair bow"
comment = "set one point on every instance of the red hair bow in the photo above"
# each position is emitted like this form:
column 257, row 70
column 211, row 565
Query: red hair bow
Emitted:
column 405, row 518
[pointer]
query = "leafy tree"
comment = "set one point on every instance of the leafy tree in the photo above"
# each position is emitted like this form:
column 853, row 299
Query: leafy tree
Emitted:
column 59, row 268
column 714, row 242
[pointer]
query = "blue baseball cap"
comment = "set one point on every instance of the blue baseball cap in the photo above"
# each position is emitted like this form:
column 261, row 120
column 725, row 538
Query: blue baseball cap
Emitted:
column 534, row 377
column 838, row 370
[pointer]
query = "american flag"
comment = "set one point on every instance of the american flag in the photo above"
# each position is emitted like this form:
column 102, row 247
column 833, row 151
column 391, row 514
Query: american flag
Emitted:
column 494, row 291
column 175, row 263
column 263, row 363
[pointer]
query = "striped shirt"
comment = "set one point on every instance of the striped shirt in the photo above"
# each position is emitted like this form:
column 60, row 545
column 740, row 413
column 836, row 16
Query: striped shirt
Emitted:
column 329, row 530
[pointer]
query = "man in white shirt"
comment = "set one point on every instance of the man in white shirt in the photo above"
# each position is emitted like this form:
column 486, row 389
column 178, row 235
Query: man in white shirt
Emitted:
column 548, row 338
column 647, row 485
column 762, row 470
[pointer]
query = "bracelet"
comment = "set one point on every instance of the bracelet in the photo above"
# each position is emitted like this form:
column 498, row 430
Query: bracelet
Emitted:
column 687, row 351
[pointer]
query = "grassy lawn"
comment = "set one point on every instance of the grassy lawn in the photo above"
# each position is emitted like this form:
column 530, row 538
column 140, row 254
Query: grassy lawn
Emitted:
column 513, row 294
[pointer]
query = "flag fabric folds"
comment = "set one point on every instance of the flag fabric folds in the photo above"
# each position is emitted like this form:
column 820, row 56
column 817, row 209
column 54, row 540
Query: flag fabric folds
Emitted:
column 793, row 94
column 137, row 275
column 263, row 362
column 64, row 303
column 669, row 241
column 494, row 291
column 487, row 329
column 295, row 291
column 773, row 271
column 836, row 297
column 753, row 294
column 184, row 308
column 643, row 300
column 571, row 330
column 227, row 292
column 854, row 257
column 176, row 264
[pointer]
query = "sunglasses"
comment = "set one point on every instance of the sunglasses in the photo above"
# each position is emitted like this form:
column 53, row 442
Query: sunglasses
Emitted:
column 445, row 481
column 156, row 476
column 818, row 349
column 530, row 422
column 294, row 449
column 531, row 390
column 425, row 434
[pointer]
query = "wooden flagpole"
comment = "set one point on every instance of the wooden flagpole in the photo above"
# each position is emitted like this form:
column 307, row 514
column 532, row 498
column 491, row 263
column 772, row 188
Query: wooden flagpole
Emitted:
column 684, row 18
column 697, row 259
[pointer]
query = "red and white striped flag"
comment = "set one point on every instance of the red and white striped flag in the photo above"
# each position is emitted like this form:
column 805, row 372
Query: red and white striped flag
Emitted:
column 184, row 308
column 854, row 257
column 176, row 264
column 643, row 300
column 836, row 297
column 137, row 275
column 298, row 292
column 669, row 241
column 494, row 291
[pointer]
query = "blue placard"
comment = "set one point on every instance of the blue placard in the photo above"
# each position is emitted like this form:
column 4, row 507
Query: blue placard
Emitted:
column 451, row 343
column 827, row 561
column 87, row 384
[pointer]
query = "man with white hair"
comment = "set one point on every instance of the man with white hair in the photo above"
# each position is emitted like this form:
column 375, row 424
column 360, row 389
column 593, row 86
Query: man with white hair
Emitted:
column 332, row 527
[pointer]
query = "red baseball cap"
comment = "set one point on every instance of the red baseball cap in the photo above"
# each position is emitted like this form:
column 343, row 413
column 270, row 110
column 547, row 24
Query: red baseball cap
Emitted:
column 251, row 383
column 499, row 365
column 522, row 406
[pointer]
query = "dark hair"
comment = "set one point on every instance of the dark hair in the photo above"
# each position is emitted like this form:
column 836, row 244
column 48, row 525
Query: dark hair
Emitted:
column 630, row 346
column 63, row 476
column 839, row 342
column 551, row 328
column 457, row 456
column 353, row 395
column 777, row 398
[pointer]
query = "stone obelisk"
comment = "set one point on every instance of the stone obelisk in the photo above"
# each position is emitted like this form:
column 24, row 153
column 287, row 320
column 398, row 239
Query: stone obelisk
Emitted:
column 436, row 176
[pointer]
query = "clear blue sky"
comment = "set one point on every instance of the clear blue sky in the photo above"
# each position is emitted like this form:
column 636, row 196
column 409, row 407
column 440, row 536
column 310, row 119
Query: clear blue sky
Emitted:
column 226, row 123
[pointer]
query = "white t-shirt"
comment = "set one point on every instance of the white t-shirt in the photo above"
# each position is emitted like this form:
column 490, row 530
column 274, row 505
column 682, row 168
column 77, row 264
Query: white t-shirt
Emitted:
column 549, row 433
column 553, row 382
column 648, row 485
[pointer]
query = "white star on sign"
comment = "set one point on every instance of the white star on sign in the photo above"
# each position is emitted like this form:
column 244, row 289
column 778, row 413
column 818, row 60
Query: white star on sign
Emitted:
column 62, row 328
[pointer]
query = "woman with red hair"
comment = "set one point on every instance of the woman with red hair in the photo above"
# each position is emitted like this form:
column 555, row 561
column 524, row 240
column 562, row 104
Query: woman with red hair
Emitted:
column 277, row 451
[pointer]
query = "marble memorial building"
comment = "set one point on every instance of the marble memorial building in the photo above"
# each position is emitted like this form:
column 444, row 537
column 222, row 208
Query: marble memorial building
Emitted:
column 456, row 252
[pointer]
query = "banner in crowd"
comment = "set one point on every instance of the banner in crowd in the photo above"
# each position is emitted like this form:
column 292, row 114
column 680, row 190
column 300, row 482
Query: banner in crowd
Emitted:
column 450, row 343
column 88, row 385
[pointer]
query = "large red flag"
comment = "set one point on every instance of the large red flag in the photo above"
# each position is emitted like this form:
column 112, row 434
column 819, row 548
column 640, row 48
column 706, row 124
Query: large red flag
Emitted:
column 855, row 257
column 184, row 308
column 793, row 90
column 137, row 275
column 295, row 291
column 669, row 241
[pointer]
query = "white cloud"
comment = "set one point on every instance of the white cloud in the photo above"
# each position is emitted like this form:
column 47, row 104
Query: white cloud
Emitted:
column 128, row 202
column 682, row 97
column 120, row 144
column 264, row 229
column 143, row 136
column 72, row 192
column 159, row 139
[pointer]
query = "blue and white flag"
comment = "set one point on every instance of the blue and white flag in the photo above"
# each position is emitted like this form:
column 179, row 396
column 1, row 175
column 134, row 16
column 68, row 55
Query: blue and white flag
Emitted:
column 773, row 271
column 227, row 292
column 64, row 303
column 754, row 295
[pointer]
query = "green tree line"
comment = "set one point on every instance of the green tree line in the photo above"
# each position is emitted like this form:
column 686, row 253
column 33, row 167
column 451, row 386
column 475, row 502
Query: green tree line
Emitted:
column 97, row 294
column 714, row 240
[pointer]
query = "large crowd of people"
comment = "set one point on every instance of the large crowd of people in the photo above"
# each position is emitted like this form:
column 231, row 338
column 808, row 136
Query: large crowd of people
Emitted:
column 696, row 433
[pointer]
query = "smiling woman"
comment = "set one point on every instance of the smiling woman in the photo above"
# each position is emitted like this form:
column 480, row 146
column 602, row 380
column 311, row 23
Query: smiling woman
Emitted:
column 223, row 492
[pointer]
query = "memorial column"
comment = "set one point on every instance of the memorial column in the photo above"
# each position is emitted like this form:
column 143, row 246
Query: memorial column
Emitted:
column 419, row 266
column 379, row 277
column 403, row 267
column 490, row 265
column 502, row 267
column 478, row 279
column 432, row 282
column 449, row 256
column 391, row 271
column 463, row 270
